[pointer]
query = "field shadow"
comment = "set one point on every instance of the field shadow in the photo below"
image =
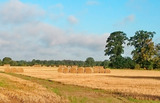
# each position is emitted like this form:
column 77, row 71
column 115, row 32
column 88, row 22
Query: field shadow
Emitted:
column 135, row 77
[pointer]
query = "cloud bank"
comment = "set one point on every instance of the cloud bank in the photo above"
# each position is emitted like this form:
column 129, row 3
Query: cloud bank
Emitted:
column 16, row 12
column 25, row 36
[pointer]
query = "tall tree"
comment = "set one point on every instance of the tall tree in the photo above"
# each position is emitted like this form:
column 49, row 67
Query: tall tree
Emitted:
column 157, row 57
column 114, row 47
column 7, row 60
column 144, row 48
column 105, row 63
column 89, row 61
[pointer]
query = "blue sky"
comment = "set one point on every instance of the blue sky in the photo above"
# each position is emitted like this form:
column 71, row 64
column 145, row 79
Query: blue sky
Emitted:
column 71, row 29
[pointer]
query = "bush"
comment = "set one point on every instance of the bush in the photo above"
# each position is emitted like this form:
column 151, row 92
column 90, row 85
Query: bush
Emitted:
column 137, row 66
column 150, row 67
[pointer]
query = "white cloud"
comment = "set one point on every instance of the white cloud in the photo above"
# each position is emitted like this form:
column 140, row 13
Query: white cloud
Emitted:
column 125, row 21
column 15, row 11
column 44, row 41
column 3, row 42
column 91, row 2
column 130, row 18
column 60, row 6
column 39, row 40
column 72, row 19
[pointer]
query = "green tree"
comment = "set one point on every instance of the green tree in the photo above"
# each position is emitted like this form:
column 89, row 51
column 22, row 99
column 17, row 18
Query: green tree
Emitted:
column 114, row 47
column 118, row 62
column 129, row 63
column 13, row 63
column 105, row 63
column 144, row 48
column 6, row 60
column 157, row 57
column 21, row 63
column 89, row 61
column 98, row 63
column 0, row 62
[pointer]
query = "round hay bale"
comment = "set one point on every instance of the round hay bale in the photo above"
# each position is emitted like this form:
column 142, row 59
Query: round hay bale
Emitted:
column 20, row 70
column 107, row 71
column 69, row 67
column 95, row 69
column 13, row 70
column 36, row 65
column 6, row 65
column 101, row 70
column 62, row 66
column 7, row 70
column 74, row 66
column 60, row 69
column 66, row 70
column 88, row 70
column 80, row 70
column 73, row 70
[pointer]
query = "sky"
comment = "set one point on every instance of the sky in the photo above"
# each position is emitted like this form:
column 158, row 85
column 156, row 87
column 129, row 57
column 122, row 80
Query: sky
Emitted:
column 71, row 29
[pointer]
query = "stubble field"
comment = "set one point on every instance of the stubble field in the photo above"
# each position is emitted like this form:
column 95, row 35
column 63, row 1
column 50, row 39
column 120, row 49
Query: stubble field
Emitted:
column 139, row 84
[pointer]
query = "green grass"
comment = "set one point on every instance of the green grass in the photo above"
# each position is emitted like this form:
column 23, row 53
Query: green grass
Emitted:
column 78, row 94
column 3, row 83
column 6, row 83
column 55, row 90
column 142, row 101
column 77, row 99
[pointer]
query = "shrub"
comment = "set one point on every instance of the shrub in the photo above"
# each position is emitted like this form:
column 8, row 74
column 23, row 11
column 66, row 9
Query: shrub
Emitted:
column 137, row 66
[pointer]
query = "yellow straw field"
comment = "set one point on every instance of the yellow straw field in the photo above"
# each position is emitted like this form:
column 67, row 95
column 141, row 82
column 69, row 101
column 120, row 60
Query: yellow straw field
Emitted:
column 140, row 84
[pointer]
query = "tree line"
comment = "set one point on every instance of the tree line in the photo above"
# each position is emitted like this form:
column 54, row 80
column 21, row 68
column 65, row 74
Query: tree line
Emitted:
column 88, row 62
column 146, row 54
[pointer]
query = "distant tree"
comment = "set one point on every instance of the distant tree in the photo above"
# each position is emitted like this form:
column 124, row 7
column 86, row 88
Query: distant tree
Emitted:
column 144, row 48
column 22, row 63
column 105, row 63
column 13, row 63
column 129, row 63
column 98, row 63
column 6, row 60
column 35, row 62
column 118, row 62
column 89, row 61
column 114, row 46
column 0, row 63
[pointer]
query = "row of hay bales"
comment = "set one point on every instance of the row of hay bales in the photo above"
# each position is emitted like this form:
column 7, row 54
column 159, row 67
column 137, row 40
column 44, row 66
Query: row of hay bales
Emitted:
column 9, row 69
column 13, row 70
column 76, row 69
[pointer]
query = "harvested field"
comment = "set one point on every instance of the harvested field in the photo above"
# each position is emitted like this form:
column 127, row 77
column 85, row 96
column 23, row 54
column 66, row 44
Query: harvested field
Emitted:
column 17, row 90
column 136, row 83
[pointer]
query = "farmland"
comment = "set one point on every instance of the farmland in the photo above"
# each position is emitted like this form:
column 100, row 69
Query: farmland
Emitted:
column 17, row 90
column 137, row 84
